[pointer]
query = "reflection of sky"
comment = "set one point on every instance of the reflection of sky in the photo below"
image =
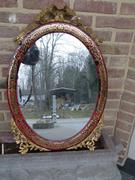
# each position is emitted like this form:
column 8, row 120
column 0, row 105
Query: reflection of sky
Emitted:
column 66, row 44
column 23, row 75
column 68, row 50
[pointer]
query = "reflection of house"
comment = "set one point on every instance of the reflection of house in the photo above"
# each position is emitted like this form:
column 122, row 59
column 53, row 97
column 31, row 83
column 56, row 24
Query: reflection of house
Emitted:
column 64, row 96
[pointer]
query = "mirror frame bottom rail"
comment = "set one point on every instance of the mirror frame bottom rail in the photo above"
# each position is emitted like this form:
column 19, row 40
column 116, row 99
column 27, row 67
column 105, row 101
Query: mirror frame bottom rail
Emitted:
column 25, row 145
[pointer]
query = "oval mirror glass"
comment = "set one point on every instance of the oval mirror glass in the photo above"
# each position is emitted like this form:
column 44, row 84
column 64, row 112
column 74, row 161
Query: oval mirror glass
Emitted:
column 57, row 86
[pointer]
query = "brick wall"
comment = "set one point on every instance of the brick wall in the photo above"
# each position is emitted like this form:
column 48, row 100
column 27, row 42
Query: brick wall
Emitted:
column 114, row 22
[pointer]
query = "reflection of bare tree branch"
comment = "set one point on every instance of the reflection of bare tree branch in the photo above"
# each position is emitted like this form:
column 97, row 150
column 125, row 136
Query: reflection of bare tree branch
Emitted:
column 46, row 69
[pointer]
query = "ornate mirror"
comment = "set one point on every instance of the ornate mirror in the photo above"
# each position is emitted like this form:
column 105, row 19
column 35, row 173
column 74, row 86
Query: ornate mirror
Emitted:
column 57, row 84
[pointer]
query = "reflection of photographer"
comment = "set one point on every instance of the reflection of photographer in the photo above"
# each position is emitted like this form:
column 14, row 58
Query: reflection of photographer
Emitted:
column 32, row 56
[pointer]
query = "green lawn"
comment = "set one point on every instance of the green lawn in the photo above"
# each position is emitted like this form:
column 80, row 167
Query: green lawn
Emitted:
column 31, row 114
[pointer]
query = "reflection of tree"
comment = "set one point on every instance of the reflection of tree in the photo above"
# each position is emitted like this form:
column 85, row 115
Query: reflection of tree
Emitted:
column 45, row 71
column 91, row 78
column 80, row 74
column 69, row 69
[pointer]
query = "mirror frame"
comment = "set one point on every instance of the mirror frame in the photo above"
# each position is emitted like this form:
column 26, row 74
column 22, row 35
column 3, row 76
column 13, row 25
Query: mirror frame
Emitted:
column 24, row 135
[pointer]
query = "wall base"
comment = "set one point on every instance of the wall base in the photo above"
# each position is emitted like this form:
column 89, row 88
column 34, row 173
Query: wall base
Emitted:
column 69, row 165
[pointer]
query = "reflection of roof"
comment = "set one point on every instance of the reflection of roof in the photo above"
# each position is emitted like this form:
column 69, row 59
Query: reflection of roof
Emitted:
column 62, row 91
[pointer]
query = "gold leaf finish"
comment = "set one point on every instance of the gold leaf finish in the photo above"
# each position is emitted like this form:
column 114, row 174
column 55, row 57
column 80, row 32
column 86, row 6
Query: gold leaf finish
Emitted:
column 90, row 141
column 53, row 14
column 25, row 146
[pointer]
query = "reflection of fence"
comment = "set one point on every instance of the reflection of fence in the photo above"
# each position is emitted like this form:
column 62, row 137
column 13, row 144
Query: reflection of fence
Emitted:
column 76, row 111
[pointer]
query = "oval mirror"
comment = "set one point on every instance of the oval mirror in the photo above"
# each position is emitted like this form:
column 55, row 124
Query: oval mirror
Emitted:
column 57, row 86
column 58, row 91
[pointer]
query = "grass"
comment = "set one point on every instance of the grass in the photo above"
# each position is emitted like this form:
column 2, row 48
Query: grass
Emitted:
column 34, row 114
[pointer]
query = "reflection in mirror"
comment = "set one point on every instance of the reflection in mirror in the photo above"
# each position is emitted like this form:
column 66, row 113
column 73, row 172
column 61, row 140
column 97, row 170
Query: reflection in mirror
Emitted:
column 57, row 86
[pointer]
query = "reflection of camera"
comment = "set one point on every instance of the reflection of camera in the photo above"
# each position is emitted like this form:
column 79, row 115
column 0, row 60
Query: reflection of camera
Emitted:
column 32, row 56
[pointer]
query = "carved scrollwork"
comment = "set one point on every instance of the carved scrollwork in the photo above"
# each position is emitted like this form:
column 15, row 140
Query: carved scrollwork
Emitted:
column 89, row 142
column 25, row 145
column 53, row 14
